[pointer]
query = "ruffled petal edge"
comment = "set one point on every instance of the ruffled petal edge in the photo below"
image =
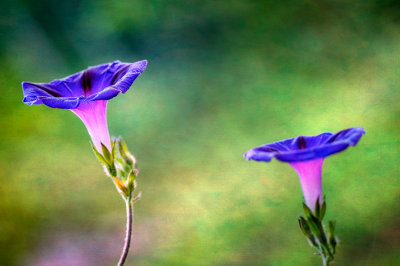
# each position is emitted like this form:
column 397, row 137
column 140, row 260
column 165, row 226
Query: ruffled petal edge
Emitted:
column 44, row 93
column 332, row 143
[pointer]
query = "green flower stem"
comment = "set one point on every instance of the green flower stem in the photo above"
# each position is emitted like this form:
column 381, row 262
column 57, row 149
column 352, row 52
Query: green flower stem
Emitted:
column 129, row 214
column 325, row 261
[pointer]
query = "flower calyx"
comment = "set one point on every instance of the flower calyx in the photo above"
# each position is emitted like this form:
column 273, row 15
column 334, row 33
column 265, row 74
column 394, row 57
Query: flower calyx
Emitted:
column 127, row 187
column 106, row 158
column 120, row 165
column 322, row 239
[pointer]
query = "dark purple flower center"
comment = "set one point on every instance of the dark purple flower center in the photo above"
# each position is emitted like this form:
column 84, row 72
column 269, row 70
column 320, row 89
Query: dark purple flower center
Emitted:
column 301, row 142
column 86, row 83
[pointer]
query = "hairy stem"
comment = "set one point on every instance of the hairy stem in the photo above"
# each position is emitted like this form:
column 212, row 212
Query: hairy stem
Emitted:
column 125, row 250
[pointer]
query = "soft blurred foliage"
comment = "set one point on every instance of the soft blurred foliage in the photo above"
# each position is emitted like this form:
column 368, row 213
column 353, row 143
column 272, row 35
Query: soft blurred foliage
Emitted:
column 223, row 77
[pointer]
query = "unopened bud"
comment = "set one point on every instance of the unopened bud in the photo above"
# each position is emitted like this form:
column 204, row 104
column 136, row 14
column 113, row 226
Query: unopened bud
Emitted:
column 121, row 187
column 123, row 150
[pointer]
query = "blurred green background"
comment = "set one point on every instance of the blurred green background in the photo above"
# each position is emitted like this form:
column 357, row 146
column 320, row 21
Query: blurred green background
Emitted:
column 223, row 77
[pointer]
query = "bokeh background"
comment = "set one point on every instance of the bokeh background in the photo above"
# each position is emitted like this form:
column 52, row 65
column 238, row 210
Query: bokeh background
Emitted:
column 223, row 77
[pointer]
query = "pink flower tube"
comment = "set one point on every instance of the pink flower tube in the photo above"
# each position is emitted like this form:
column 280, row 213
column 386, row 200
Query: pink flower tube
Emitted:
column 94, row 116
column 310, row 180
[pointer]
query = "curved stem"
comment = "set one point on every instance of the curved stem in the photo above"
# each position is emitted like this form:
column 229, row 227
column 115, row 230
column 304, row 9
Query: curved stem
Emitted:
column 125, row 250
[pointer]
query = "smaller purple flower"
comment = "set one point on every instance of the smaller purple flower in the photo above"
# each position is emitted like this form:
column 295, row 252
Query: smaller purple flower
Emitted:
column 86, row 94
column 306, row 155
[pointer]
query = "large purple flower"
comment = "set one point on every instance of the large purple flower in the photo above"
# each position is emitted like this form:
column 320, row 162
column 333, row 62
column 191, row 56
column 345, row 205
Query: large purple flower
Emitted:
column 306, row 155
column 86, row 94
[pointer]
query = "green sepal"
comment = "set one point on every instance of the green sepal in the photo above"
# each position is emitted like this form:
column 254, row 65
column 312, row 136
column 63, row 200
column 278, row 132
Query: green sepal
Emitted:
column 315, row 222
column 127, row 169
column 98, row 154
column 113, row 149
column 131, row 180
column 333, row 241
column 315, row 227
column 122, row 145
column 305, row 228
column 331, row 228
column 106, row 154
column 317, row 208
column 120, row 161
column 123, row 150
column 322, row 211
column 112, row 170
column 307, row 211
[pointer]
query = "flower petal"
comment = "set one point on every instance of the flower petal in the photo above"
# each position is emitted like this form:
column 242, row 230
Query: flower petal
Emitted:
column 105, row 94
column 33, row 92
column 101, row 82
column 61, row 102
column 305, row 148
column 125, row 77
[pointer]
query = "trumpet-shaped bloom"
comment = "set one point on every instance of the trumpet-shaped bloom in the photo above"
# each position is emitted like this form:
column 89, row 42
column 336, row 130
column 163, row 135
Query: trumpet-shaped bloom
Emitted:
column 306, row 155
column 86, row 94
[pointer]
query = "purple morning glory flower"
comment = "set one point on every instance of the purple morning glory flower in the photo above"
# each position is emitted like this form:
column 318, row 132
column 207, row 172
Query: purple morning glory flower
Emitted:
column 86, row 94
column 306, row 155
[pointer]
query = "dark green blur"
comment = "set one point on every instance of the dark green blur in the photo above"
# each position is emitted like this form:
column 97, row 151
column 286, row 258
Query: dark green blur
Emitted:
column 223, row 77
